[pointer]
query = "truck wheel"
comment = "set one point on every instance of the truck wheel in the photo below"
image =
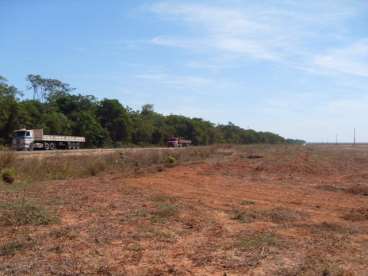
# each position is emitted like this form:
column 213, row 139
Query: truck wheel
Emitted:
column 46, row 146
column 52, row 146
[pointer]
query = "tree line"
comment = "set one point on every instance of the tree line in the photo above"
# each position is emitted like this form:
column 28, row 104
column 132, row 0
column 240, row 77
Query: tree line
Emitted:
column 58, row 109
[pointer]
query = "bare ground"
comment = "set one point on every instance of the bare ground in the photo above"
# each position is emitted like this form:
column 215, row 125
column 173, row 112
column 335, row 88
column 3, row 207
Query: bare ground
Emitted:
column 258, row 210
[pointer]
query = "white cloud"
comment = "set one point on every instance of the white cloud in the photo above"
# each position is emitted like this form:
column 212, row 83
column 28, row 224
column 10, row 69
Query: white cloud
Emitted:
column 291, row 32
column 223, row 29
column 352, row 59
column 176, row 81
column 177, row 42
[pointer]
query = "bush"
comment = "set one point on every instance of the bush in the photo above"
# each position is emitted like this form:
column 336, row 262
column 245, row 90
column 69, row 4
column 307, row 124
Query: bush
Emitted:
column 8, row 175
column 171, row 160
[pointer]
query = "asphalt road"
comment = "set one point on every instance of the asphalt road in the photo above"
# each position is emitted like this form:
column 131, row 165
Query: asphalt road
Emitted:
column 44, row 153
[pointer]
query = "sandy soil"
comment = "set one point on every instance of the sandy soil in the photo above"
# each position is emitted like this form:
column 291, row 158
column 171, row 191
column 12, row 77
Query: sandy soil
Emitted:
column 245, row 211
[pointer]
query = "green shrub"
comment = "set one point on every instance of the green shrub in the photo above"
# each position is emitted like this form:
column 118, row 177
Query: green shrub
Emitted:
column 171, row 160
column 8, row 175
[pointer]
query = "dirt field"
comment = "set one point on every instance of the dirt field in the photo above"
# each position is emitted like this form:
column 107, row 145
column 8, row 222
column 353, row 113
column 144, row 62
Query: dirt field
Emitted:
column 252, row 210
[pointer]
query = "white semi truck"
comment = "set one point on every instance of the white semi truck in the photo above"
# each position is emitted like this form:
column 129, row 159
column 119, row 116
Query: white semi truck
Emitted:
column 31, row 139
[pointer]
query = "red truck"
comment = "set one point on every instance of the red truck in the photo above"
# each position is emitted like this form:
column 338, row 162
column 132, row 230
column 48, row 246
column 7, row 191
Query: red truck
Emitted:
column 177, row 142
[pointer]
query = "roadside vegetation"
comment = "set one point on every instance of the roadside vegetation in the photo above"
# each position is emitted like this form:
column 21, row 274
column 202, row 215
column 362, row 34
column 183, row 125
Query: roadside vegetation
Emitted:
column 24, row 169
column 58, row 109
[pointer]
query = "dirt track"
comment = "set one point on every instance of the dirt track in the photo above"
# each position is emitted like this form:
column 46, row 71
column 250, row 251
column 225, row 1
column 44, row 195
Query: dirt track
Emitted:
column 245, row 211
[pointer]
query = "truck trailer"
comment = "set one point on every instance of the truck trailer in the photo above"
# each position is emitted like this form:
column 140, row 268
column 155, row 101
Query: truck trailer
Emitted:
column 31, row 139
column 177, row 142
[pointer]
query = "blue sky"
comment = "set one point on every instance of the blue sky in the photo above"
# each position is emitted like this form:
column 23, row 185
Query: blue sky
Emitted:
column 297, row 68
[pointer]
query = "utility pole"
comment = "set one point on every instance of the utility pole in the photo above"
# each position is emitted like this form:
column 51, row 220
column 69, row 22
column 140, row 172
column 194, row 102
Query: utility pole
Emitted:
column 337, row 139
column 354, row 136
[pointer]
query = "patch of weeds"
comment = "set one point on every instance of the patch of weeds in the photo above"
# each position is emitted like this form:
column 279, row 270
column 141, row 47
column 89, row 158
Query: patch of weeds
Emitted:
column 93, row 210
column 11, row 248
column 163, row 212
column 249, row 242
column 135, row 215
column 163, row 236
column 104, row 270
column 246, row 216
column 135, row 247
column 8, row 176
column 358, row 189
column 282, row 215
column 162, row 198
column 276, row 215
column 360, row 214
column 64, row 233
column 247, row 202
column 329, row 188
column 19, row 186
column 25, row 213
column 314, row 265
column 330, row 227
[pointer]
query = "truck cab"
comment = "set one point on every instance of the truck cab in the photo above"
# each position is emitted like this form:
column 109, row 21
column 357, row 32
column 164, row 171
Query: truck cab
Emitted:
column 22, row 139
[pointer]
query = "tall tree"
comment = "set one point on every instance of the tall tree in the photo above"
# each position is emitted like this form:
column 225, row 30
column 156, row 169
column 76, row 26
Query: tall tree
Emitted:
column 43, row 88
column 8, row 110
column 114, row 118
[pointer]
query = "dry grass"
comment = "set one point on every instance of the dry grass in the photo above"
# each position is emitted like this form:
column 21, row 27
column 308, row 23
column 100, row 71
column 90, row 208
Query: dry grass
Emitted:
column 7, row 159
column 314, row 265
column 163, row 212
column 61, row 166
column 254, row 241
